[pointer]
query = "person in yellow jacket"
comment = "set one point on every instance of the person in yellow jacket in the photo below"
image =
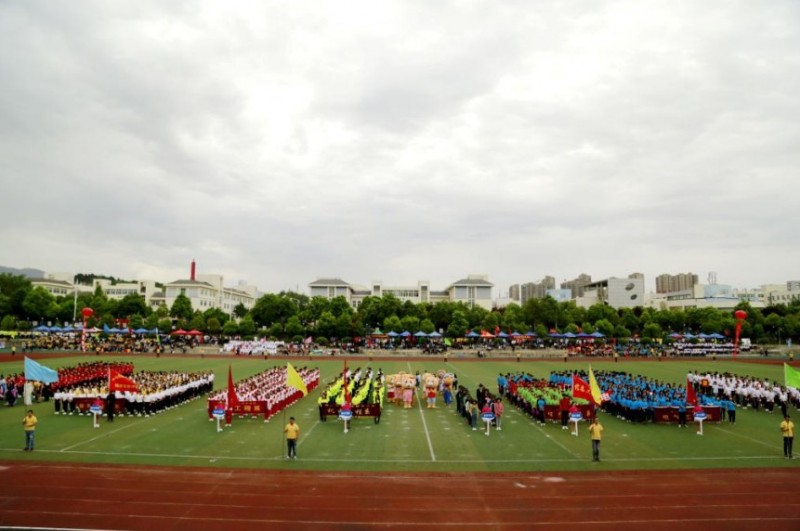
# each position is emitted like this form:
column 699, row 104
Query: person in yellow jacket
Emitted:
column 787, row 429
column 29, row 426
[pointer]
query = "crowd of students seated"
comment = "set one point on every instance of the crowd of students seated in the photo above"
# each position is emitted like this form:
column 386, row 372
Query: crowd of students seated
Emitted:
column 271, row 388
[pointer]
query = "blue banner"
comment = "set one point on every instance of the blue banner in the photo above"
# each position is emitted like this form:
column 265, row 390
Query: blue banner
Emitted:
column 38, row 372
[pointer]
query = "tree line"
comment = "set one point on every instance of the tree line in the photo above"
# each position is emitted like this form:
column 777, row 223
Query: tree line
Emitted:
column 289, row 316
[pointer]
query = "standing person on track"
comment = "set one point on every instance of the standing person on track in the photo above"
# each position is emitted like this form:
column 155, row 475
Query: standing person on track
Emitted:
column 29, row 426
column 292, row 432
column 596, row 431
column 787, row 429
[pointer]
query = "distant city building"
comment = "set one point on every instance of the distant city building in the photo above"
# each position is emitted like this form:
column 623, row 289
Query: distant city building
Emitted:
column 666, row 283
column 577, row 285
column 615, row 292
column 535, row 290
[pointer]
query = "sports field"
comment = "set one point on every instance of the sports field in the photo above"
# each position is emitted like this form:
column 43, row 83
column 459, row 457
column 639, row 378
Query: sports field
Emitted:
column 418, row 439
column 417, row 468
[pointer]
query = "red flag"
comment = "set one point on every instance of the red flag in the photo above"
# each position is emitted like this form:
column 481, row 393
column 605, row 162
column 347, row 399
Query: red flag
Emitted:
column 691, row 397
column 118, row 382
column 233, row 400
column 346, row 390
column 580, row 388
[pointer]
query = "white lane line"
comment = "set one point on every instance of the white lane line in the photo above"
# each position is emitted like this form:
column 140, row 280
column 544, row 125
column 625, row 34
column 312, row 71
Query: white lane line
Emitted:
column 424, row 424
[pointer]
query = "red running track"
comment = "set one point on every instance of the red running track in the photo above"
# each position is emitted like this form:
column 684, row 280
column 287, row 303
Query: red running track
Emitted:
column 88, row 496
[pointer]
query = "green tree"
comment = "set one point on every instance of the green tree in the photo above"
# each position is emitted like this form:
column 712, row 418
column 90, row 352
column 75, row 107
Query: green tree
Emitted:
column 131, row 304
column 326, row 325
column 181, row 308
column 294, row 327
column 239, row 311
column 13, row 290
column 275, row 330
column 231, row 328
column 136, row 321
column 344, row 326
column 218, row 314
column 198, row 322
column 426, row 325
column 213, row 325
column 272, row 308
column 392, row 324
column 247, row 326
column 458, row 325
column 410, row 323
column 8, row 323
column 652, row 331
column 164, row 326
column 620, row 332
column 605, row 327
column 38, row 304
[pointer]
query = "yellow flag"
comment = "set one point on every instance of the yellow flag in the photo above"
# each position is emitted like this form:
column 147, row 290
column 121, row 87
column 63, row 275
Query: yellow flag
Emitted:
column 597, row 395
column 293, row 379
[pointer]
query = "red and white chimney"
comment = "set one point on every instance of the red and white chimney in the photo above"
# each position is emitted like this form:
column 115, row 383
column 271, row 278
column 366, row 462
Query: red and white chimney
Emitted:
column 191, row 275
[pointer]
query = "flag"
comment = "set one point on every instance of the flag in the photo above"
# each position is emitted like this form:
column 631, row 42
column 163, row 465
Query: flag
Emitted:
column 791, row 376
column 691, row 397
column 233, row 400
column 580, row 389
column 118, row 382
column 38, row 372
column 293, row 379
column 307, row 340
column 346, row 390
column 597, row 395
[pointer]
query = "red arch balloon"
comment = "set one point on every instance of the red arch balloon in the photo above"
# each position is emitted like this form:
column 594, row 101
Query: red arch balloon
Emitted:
column 741, row 315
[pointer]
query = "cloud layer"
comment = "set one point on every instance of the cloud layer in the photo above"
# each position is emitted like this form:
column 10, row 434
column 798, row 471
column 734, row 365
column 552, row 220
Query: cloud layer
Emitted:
column 278, row 142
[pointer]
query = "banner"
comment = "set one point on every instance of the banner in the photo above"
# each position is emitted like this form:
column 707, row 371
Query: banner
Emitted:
column 581, row 389
column 293, row 379
column 118, row 382
column 791, row 376
column 691, row 397
column 233, row 398
column 597, row 395
column 37, row 372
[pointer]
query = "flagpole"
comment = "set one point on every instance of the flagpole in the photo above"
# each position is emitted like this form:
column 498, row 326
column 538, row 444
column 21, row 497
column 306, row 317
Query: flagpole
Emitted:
column 281, row 432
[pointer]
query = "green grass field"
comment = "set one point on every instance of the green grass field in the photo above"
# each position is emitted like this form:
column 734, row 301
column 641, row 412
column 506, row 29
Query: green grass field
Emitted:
column 405, row 440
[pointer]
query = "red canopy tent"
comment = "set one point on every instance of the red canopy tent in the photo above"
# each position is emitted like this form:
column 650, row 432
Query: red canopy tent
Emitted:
column 179, row 332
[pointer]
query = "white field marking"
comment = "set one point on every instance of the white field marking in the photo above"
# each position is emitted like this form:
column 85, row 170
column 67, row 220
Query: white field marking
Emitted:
column 103, row 435
column 520, row 485
column 403, row 523
column 309, row 433
column 773, row 446
column 424, row 424
column 454, row 461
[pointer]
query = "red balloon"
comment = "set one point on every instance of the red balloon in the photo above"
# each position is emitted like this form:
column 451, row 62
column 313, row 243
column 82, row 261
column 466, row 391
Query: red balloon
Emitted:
column 741, row 315
column 87, row 312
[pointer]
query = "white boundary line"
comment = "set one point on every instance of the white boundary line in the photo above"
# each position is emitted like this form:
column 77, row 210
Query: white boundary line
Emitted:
column 773, row 446
column 102, row 435
column 455, row 461
column 424, row 424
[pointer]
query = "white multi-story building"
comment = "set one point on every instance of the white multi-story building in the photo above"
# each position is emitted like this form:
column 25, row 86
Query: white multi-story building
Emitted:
column 616, row 292
column 206, row 292
column 473, row 290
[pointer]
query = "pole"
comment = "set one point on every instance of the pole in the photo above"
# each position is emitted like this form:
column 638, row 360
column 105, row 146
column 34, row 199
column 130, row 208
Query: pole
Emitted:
column 281, row 432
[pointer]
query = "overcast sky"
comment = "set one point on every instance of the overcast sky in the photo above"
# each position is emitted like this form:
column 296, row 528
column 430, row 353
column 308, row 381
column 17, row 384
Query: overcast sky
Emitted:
column 281, row 142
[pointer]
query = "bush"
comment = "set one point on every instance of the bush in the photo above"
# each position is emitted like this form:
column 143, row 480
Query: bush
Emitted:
column 322, row 341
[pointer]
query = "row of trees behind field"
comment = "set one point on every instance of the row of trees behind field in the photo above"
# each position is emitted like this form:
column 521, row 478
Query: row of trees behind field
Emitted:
column 289, row 315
